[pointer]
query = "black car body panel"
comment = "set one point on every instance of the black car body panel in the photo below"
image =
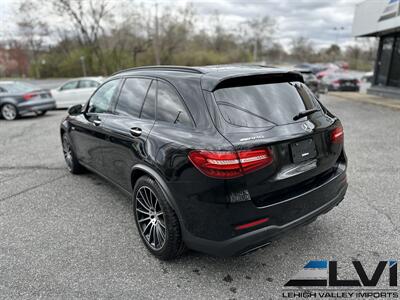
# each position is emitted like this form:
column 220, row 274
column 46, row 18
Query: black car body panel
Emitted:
column 287, row 193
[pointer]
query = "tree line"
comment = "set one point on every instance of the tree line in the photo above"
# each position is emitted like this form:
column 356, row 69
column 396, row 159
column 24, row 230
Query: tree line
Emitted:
column 100, row 37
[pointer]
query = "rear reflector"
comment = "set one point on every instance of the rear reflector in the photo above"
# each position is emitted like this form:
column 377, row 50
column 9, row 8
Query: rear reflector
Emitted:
column 252, row 224
column 229, row 164
column 337, row 135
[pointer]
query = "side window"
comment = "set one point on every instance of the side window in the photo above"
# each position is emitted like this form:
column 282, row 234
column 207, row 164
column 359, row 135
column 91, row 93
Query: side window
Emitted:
column 2, row 90
column 100, row 101
column 149, row 106
column 170, row 108
column 88, row 84
column 70, row 85
column 132, row 95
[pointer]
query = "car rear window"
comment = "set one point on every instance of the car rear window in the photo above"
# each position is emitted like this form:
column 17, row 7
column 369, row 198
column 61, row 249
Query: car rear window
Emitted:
column 263, row 105
column 18, row 87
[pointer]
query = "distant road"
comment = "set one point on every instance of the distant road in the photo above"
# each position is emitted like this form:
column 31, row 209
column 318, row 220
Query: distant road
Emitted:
column 50, row 83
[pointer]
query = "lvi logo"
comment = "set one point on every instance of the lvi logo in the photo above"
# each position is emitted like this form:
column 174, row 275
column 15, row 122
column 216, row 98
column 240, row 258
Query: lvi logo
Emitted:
column 324, row 273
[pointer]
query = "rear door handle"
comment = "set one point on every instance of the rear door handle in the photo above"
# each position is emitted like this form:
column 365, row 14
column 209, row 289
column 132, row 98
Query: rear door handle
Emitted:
column 97, row 122
column 136, row 131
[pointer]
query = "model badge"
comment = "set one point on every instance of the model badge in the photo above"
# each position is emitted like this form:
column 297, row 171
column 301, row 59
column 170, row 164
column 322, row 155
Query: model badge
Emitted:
column 252, row 138
column 308, row 126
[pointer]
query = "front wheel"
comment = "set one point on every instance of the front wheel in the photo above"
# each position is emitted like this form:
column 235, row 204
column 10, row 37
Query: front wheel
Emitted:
column 72, row 162
column 9, row 112
column 156, row 221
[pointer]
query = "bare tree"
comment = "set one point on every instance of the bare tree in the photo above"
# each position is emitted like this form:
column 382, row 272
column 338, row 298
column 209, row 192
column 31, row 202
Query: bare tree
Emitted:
column 302, row 49
column 88, row 18
column 156, row 38
column 33, row 31
column 258, row 31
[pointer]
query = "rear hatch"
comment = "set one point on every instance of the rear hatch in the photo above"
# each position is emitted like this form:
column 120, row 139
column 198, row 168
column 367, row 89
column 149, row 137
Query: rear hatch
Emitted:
column 263, row 116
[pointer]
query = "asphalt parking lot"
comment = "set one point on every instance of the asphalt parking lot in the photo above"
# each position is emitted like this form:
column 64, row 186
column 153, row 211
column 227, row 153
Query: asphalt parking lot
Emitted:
column 64, row 236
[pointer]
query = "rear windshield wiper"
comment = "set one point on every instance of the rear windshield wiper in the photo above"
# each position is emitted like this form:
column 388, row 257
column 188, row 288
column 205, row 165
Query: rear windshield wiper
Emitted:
column 305, row 113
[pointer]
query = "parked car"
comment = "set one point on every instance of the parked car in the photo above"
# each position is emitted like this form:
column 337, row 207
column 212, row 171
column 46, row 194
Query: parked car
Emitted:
column 329, row 69
column 342, row 82
column 312, row 82
column 75, row 91
column 20, row 98
column 314, row 68
column 368, row 77
column 343, row 65
column 217, row 159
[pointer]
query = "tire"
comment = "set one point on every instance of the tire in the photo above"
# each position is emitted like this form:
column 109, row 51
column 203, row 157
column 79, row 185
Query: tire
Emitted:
column 41, row 113
column 9, row 112
column 72, row 162
column 156, row 219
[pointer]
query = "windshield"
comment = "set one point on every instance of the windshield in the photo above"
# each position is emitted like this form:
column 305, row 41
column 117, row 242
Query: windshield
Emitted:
column 18, row 87
column 264, row 105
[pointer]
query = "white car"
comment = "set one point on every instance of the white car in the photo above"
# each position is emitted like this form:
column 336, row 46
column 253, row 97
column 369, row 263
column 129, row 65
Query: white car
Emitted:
column 75, row 91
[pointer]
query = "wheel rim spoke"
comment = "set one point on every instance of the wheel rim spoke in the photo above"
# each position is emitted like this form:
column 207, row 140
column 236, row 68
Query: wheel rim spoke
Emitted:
column 145, row 228
column 145, row 198
column 150, row 218
column 154, row 236
column 145, row 206
column 144, row 220
column 162, row 225
column 161, row 233
column 143, row 212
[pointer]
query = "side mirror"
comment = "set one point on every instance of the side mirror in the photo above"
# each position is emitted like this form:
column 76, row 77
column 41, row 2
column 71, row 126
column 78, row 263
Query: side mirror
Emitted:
column 75, row 110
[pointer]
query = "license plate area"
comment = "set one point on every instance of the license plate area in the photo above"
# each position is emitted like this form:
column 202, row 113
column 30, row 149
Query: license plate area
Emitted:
column 303, row 150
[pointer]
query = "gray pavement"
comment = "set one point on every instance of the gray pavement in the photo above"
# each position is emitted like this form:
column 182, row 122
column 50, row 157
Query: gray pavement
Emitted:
column 65, row 236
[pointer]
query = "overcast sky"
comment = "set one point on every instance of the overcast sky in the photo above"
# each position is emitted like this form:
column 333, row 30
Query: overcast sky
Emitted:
column 314, row 19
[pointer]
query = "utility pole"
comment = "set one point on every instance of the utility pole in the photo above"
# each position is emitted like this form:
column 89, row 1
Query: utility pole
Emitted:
column 337, row 36
column 82, row 59
column 156, row 43
column 255, row 50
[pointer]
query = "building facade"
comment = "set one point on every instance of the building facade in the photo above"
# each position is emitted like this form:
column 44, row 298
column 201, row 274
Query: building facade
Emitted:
column 382, row 19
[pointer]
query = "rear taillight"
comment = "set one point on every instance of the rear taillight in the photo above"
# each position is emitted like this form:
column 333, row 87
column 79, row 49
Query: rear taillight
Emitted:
column 336, row 82
column 29, row 96
column 230, row 164
column 337, row 135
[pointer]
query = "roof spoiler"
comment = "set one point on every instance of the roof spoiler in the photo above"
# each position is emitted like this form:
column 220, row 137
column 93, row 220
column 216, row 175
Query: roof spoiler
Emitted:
column 254, row 79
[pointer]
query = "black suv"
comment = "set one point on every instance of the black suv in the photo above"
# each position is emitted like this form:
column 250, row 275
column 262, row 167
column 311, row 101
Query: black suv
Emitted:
column 220, row 159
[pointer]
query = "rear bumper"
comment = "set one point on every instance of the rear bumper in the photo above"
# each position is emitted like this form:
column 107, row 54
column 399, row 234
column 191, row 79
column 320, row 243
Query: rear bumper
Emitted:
column 36, row 106
column 284, row 216
column 345, row 88
column 250, row 241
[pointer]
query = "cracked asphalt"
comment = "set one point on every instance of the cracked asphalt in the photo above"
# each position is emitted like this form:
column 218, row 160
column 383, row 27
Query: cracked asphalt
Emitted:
column 65, row 236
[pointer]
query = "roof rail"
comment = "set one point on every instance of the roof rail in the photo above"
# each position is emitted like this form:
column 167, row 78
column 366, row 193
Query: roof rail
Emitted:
column 163, row 68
